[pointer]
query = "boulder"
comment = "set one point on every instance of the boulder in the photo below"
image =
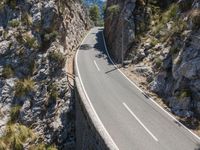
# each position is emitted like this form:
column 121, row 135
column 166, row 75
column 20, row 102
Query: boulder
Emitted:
column 190, row 69
column 158, row 85
column 143, row 71
column 181, row 107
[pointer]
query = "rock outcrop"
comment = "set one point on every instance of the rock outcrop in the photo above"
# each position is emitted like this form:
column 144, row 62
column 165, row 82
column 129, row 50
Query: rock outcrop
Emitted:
column 163, row 40
column 120, row 27
column 36, row 36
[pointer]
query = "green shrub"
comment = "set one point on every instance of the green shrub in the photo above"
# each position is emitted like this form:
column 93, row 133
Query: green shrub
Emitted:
column 184, row 93
column 15, row 136
column 2, row 145
column 158, row 62
column 157, row 28
column 170, row 13
column 14, row 23
column 16, row 144
column 154, row 42
column 26, row 19
column 43, row 147
column 53, row 93
column 14, row 113
column 94, row 13
column 51, row 148
column 100, row 23
column 114, row 9
column 25, row 133
column 57, row 58
column 30, row 41
column 38, row 147
column 50, row 36
column 179, row 26
column 24, row 86
column 7, row 72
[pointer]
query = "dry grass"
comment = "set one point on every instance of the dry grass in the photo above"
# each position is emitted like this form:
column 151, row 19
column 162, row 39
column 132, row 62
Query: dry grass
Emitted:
column 8, row 71
column 15, row 136
column 24, row 86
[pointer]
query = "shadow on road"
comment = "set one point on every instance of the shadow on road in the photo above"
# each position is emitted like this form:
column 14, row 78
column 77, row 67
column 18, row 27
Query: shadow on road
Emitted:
column 99, row 46
column 198, row 147
column 111, row 70
column 85, row 47
column 145, row 95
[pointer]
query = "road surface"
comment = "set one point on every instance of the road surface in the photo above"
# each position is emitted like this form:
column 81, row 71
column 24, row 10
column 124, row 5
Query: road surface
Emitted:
column 132, row 120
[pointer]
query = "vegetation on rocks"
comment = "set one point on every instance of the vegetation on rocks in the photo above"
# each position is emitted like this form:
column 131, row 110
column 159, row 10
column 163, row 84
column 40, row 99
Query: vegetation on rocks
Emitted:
column 30, row 41
column 53, row 93
column 24, row 86
column 14, row 23
column 8, row 71
column 35, row 38
column 114, row 9
column 15, row 136
column 57, row 59
column 49, row 37
column 96, row 11
column 14, row 113
column 163, row 37
column 94, row 14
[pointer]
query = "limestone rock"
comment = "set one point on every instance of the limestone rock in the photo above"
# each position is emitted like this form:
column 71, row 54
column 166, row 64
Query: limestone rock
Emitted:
column 29, row 34
column 158, row 85
column 121, row 29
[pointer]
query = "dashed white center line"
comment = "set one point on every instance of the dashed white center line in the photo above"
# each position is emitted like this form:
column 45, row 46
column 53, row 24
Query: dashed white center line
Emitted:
column 140, row 122
column 96, row 65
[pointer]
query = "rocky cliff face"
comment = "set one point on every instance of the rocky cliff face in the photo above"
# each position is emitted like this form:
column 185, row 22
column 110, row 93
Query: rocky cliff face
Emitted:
column 36, row 99
column 119, row 32
column 162, row 42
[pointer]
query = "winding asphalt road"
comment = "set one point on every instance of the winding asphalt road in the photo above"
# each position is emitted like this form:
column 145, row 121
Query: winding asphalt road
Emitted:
column 133, row 121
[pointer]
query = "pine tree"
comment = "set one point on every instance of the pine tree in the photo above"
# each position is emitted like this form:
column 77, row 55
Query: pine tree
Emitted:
column 94, row 14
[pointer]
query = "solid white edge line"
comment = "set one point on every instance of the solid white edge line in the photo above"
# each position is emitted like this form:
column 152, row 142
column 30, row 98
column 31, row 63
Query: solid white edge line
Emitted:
column 140, row 122
column 144, row 92
column 76, row 58
column 96, row 65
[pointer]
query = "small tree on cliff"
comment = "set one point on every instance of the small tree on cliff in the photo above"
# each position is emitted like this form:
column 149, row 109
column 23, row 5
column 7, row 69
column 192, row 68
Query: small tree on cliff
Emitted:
column 94, row 14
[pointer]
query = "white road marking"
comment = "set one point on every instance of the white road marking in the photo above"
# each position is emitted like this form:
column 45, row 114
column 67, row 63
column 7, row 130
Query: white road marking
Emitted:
column 96, row 65
column 198, row 138
column 79, row 76
column 140, row 122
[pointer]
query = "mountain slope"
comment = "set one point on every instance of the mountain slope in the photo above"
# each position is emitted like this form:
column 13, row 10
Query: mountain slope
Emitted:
column 35, row 95
column 162, row 44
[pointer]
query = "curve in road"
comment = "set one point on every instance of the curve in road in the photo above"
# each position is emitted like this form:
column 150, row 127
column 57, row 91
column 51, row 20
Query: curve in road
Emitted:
column 133, row 121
